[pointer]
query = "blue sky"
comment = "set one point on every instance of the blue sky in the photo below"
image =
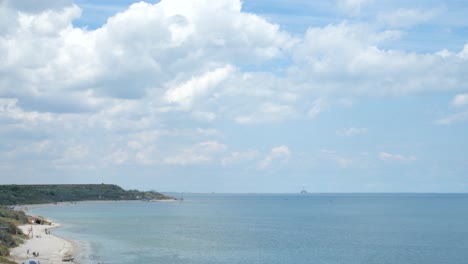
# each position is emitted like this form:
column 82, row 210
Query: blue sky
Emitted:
column 230, row 96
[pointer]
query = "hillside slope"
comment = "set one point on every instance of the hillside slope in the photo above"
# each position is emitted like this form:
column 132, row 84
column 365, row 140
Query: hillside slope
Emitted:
column 36, row 194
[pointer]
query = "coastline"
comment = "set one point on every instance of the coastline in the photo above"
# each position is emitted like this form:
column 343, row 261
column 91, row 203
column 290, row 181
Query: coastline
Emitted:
column 52, row 249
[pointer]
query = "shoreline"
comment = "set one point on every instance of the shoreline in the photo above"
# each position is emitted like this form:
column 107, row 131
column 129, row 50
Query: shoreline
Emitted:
column 51, row 248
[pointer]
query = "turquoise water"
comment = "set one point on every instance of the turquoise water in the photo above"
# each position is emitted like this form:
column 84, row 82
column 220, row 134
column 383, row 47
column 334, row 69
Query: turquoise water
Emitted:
column 242, row 229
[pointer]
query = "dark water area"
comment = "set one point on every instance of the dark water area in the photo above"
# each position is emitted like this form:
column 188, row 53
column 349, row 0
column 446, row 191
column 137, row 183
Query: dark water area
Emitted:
column 272, row 228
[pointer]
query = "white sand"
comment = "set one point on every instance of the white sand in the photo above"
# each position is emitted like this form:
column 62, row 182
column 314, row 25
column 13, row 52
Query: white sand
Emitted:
column 51, row 249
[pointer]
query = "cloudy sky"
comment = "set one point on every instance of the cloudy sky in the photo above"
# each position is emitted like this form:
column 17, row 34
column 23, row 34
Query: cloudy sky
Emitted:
column 230, row 96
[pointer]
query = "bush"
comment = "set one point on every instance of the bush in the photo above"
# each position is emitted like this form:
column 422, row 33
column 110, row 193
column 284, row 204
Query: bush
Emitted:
column 7, row 240
column 6, row 261
column 19, row 217
column 4, row 251
column 8, row 226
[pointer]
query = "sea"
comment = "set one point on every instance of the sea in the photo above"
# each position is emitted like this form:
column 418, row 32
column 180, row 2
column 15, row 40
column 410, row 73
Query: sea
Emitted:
column 270, row 229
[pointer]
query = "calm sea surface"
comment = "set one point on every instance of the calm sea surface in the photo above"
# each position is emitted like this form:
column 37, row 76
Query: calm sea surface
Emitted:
column 256, row 229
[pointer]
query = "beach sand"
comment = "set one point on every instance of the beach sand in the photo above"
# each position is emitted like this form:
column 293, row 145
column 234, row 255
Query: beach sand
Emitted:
column 52, row 249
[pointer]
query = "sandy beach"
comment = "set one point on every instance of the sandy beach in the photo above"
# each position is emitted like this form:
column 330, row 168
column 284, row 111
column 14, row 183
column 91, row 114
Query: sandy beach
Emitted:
column 52, row 249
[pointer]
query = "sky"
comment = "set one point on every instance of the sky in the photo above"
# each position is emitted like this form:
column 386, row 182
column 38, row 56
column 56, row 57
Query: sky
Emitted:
column 236, row 96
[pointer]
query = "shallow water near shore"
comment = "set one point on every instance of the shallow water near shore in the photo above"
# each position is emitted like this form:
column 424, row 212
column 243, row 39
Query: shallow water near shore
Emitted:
column 282, row 228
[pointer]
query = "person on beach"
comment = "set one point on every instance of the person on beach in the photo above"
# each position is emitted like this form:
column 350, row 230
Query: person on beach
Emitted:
column 30, row 232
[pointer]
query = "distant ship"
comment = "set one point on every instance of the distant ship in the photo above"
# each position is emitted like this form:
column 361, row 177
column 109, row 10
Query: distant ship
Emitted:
column 303, row 191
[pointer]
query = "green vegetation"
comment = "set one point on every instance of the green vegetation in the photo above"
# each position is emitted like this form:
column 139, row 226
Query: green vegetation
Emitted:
column 36, row 194
column 10, row 234
column 6, row 261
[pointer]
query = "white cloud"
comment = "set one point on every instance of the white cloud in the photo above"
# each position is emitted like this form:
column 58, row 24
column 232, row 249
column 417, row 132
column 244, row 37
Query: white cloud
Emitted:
column 318, row 106
column 277, row 154
column 453, row 118
column 407, row 17
column 204, row 116
column 199, row 153
column 146, row 156
column 352, row 131
column 342, row 160
column 385, row 156
column 164, row 69
column 267, row 112
column 352, row 7
column 460, row 100
column 10, row 110
column 209, row 132
column 324, row 64
column 327, row 151
column 345, row 162
column 74, row 157
column 236, row 157
column 118, row 157
column 187, row 92
column 141, row 48
column 76, row 152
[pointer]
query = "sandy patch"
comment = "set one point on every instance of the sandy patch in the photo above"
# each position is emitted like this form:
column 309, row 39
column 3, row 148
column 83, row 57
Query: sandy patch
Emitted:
column 52, row 249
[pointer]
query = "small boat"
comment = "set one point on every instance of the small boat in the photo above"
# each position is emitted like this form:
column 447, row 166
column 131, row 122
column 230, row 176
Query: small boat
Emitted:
column 303, row 191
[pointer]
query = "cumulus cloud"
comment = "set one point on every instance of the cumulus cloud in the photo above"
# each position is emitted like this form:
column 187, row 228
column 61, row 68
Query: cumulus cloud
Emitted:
column 460, row 100
column 324, row 64
column 385, row 156
column 187, row 92
column 10, row 110
column 34, row 6
column 164, row 69
column 138, row 49
column 277, row 154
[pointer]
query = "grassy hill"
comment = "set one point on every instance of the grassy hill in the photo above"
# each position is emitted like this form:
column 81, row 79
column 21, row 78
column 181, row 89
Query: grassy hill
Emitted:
column 10, row 235
column 36, row 194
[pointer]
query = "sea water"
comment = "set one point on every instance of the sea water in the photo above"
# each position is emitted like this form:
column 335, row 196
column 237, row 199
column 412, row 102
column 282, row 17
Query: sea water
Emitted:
column 271, row 229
